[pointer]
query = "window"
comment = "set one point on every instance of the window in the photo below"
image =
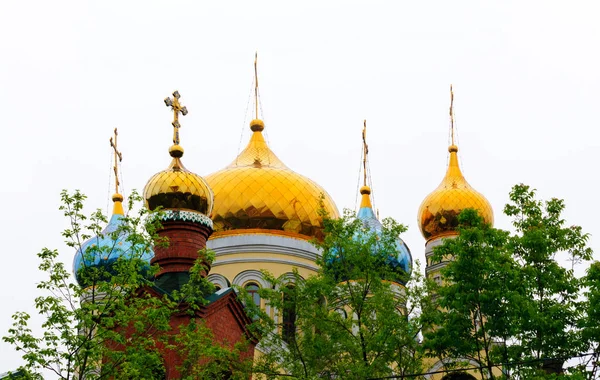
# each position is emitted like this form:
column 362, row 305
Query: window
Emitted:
column 252, row 290
column 437, row 279
column 288, row 331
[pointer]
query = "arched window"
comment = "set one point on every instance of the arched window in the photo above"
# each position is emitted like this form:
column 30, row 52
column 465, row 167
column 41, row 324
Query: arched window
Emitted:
column 252, row 289
column 288, row 332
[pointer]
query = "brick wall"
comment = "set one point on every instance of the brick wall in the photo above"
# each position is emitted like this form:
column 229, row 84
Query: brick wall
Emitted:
column 185, row 240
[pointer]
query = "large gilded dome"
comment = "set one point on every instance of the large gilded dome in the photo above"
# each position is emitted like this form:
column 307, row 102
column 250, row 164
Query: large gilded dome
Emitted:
column 257, row 191
column 178, row 188
column 439, row 211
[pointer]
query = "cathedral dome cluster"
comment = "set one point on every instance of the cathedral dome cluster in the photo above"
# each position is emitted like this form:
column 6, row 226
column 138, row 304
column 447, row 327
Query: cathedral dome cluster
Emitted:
column 258, row 191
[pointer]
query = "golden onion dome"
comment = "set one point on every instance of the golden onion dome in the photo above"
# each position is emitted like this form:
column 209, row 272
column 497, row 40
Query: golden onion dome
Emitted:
column 178, row 188
column 439, row 211
column 257, row 191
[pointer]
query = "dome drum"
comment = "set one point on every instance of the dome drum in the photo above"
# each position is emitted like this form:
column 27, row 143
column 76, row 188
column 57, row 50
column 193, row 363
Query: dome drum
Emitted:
column 185, row 240
column 178, row 200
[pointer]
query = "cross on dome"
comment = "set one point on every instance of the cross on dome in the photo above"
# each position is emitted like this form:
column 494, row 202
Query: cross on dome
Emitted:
column 118, row 158
column 177, row 109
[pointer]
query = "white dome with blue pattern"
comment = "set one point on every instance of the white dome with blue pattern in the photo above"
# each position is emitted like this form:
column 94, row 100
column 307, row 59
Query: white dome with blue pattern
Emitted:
column 402, row 259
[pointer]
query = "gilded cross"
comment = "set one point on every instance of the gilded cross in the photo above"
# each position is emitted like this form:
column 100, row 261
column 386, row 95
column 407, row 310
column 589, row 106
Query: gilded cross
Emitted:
column 177, row 109
column 118, row 158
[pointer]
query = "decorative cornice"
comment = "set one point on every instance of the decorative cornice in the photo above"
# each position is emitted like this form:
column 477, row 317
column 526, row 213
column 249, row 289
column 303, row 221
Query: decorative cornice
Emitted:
column 260, row 231
column 246, row 260
column 282, row 245
column 435, row 267
column 186, row 216
column 218, row 279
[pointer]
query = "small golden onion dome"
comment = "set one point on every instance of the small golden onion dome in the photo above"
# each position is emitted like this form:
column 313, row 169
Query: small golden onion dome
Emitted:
column 439, row 211
column 118, row 204
column 257, row 191
column 365, row 192
column 178, row 188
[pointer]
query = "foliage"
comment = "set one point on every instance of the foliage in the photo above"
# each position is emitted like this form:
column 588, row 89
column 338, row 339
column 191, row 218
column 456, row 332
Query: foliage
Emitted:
column 590, row 323
column 115, row 327
column 479, row 302
column 507, row 301
column 548, row 332
column 351, row 321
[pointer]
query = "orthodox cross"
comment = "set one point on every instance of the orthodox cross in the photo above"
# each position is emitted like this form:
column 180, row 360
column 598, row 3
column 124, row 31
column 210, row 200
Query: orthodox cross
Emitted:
column 365, row 152
column 118, row 158
column 452, row 114
column 177, row 109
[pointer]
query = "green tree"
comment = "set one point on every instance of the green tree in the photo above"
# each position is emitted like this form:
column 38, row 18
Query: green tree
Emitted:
column 479, row 300
column 114, row 328
column 590, row 323
column 352, row 320
column 548, row 328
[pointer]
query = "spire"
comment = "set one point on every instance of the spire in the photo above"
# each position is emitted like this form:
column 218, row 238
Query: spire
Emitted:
column 256, row 85
column 365, row 190
column 453, row 175
column 438, row 212
column 176, row 150
column 452, row 146
column 117, row 197
column 256, row 125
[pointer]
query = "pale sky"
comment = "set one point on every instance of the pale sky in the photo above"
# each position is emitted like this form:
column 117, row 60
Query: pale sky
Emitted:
column 526, row 76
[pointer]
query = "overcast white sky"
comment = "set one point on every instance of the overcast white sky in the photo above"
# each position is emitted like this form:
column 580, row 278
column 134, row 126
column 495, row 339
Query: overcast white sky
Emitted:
column 526, row 76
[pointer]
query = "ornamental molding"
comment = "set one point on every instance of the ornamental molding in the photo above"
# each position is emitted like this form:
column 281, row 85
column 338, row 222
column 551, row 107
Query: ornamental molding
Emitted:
column 186, row 216
column 282, row 245
column 218, row 279
column 247, row 260
column 250, row 275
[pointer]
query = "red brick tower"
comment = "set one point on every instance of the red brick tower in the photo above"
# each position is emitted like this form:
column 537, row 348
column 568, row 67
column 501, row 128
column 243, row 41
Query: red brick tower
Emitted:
column 186, row 201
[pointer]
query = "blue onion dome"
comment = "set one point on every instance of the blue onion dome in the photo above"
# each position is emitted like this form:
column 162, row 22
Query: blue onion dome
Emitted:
column 104, row 250
column 401, row 260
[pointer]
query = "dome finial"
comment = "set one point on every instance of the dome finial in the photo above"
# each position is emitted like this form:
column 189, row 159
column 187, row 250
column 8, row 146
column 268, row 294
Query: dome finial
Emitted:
column 452, row 147
column 117, row 197
column 256, row 125
column 176, row 150
column 365, row 190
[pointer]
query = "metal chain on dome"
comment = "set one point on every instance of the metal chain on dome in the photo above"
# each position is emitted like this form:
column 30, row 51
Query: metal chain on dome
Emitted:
column 245, row 123
column 108, row 181
column 373, row 204
column 121, row 181
column 360, row 164
column 453, row 130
